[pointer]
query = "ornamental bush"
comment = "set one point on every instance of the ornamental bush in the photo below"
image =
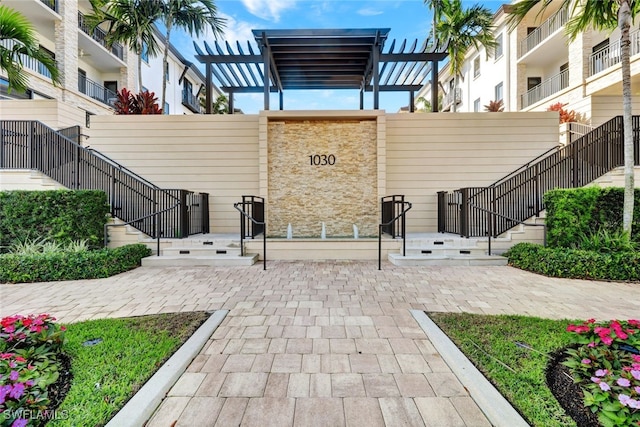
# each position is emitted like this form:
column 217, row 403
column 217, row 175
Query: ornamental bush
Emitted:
column 575, row 263
column 54, row 266
column 61, row 216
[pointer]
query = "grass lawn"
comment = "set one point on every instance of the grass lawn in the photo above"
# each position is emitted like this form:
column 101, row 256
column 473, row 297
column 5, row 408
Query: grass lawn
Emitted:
column 518, row 373
column 108, row 373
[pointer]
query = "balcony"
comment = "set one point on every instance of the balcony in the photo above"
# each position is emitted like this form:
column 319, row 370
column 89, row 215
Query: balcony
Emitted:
column 96, row 91
column 27, row 62
column 99, row 35
column 51, row 4
column 190, row 101
column 545, row 89
column 609, row 56
column 447, row 102
column 544, row 31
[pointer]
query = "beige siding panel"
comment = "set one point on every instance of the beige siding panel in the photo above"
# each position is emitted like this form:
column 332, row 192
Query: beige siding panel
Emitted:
column 427, row 153
column 604, row 108
column 51, row 112
column 213, row 154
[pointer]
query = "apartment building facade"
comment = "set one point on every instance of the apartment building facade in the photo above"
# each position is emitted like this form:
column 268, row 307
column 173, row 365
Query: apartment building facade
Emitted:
column 92, row 73
column 535, row 65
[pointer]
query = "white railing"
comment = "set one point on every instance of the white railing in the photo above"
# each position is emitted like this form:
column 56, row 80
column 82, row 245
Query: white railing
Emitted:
column 609, row 55
column 548, row 27
column 448, row 98
column 27, row 61
column 545, row 89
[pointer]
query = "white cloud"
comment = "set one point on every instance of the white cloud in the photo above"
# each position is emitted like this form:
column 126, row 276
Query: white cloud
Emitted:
column 269, row 10
column 368, row 11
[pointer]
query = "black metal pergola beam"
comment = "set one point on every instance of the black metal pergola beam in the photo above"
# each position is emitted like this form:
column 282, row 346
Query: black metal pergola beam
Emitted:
column 322, row 59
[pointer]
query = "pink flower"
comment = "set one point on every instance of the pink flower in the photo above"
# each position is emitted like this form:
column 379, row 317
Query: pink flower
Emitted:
column 623, row 382
column 624, row 399
column 637, row 389
column 604, row 386
column 591, row 344
column 591, row 321
column 635, row 374
column 607, row 340
column 13, row 376
column 633, row 404
column 602, row 372
column 617, row 328
column 595, row 380
column 586, row 361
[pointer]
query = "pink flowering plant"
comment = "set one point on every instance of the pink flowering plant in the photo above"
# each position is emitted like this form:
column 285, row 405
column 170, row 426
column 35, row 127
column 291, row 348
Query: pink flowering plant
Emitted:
column 606, row 363
column 29, row 350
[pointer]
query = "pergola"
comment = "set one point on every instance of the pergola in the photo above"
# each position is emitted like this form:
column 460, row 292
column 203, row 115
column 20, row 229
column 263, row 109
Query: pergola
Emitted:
column 321, row 59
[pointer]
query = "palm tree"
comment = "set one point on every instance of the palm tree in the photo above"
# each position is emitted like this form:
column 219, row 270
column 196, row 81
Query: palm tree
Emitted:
column 462, row 28
column 602, row 15
column 17, row 40
column 193, row 16
column 128, row 22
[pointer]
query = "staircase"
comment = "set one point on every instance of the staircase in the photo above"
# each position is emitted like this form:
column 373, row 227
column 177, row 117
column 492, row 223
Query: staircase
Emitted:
column 205, row 250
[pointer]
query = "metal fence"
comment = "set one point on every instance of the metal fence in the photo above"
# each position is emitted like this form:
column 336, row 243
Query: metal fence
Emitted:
column 32, row 145
column 519, row 195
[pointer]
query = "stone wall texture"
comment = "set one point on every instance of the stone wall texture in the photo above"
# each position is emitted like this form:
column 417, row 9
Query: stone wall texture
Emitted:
column 306, row 195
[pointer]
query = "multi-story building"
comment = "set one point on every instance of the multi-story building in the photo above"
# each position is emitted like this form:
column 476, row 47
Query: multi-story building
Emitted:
column 535, row 65
column 91, row 73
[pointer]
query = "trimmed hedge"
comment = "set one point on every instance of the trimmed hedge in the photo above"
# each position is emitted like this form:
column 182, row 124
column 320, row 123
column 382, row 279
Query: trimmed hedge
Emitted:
column 59, row 215
column 48, row 267
column 579, row 212
column 575, row 263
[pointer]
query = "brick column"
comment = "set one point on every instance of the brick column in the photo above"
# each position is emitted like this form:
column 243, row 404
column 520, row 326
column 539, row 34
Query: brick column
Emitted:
column 66, row 41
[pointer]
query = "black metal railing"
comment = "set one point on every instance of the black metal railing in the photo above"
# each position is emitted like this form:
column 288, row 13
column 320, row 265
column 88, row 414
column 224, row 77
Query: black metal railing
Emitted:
column 100, row 35
column 96, row 91
column 252, row 222
column 519, row 195
column 51, row 4
column 393, row 211
column 190, row 101
column 74, row 133
column 134, row 200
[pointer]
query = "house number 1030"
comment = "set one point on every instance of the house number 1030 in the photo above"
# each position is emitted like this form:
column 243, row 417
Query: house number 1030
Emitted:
column 322, row 160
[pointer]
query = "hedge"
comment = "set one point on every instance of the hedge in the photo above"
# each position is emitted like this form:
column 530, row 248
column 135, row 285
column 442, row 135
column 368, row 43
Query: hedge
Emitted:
column 59, row 215
column 575, row 263
column 574, row 213
column 56, row 266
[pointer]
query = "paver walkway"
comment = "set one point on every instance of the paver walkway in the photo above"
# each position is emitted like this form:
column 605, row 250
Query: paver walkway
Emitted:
column 321, row 343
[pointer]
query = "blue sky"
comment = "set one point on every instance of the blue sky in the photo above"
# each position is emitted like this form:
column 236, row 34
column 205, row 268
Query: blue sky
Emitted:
column 408, row 19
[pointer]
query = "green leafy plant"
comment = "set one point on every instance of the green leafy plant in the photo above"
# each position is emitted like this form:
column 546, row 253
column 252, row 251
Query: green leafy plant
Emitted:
column 606, row 363
column 45, row 246
column 605, row 241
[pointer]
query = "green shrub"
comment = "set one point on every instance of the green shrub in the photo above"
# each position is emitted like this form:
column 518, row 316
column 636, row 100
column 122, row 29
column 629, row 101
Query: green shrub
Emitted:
column 60, row 216
column 46, row 267
column 605, row 241
column 575, row 263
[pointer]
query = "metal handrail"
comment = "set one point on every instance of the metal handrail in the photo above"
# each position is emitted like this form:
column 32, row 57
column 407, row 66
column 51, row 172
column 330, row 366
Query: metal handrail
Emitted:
column 525, row 166
column 264, row 232
column 550, row 86
column 122, row 167
column 546, row 29
column 406, row 207
column 490, row 216
column 142, row 218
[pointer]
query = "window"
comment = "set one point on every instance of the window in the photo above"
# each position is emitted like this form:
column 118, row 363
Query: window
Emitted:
column 564, row 67
column 41, row 68
column 476, row 105
column 166, row 71
column 498, row 92
column 499, row 46
column 476, row 67
column 82, row 80
column 533, row 82
column 144, row 55
column 165, row 110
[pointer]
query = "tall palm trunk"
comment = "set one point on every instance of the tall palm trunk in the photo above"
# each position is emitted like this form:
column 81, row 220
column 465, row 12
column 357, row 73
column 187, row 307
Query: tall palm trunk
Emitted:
column 624, row 23
column 140, row 68
column 164, row 64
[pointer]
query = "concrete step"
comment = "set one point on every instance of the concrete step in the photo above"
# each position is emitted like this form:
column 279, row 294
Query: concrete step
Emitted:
column 199, row 261
column 446, row 251
column 195, row 251
column 424, row 260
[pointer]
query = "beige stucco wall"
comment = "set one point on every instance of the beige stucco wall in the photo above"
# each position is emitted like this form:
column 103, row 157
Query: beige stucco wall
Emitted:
column 51, row 112
column 216, row 154
column 427, row 153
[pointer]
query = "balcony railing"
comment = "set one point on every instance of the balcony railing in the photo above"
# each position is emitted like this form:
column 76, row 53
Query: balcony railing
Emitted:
column 548, row 27
column 190, row 101
column 27, row 61
column 545, row 89
column 96, row 91
column 448, row 98
column 610, row 55
column 99, row 35
column 51, row 4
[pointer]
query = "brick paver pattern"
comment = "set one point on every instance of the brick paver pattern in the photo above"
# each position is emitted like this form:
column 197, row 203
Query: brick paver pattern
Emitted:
column 321, row 343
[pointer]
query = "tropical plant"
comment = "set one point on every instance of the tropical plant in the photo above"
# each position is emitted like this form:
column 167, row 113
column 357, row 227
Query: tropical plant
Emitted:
column 424, row 105
column 143, row 103
column 494, row 106
column 566, row 116
column 219, row 106
column 193, row 16
column 22, row 42
column 130, row 22
column 601, row 15
column 462, row 28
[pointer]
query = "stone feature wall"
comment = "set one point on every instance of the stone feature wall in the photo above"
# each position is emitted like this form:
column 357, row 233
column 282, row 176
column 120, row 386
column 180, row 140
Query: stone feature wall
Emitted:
column 322, row 171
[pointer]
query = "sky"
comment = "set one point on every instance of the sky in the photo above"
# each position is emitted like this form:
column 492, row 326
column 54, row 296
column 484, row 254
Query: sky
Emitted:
column 407, row 19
